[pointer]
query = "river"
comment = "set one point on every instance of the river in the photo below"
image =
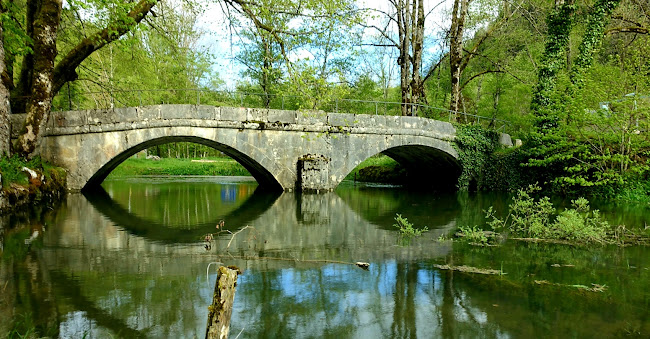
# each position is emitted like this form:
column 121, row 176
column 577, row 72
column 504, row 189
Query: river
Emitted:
column 131, row 261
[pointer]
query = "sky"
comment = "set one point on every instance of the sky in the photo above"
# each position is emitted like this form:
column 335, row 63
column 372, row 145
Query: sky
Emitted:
column 221, row 42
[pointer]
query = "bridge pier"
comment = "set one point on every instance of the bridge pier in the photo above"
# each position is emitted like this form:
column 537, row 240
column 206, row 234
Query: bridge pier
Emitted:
column 313, row 174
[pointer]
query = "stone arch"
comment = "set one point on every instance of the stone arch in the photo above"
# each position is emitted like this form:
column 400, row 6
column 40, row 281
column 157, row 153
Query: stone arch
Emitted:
column 118, row 146
column 430, row 163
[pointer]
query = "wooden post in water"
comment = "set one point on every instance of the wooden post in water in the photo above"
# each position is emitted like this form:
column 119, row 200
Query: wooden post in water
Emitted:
column 222, row 299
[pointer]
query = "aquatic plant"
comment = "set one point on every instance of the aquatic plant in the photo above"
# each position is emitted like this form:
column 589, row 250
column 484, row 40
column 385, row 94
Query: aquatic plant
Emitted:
column 406, row 228
column 538, row 218
column 473, row 235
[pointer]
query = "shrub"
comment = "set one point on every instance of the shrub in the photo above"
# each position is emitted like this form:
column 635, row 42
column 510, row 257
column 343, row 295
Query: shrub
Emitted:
column 535, row 218
column 406, row 228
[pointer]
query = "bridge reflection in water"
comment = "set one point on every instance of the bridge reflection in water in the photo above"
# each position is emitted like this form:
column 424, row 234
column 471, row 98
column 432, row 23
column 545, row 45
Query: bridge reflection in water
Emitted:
column 115, row 271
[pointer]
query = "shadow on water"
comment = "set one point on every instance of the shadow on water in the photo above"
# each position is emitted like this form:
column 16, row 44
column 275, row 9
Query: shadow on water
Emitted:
column 255, row 205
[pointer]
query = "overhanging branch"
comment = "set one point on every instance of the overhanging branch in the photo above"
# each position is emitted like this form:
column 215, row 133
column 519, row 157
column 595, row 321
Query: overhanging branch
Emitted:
column 65, row 70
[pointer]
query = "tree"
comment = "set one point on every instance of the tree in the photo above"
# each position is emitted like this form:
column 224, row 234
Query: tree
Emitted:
column 409, row 18
column 462, row 52
column 312, row 38
column 41, row 74
column 5, row 108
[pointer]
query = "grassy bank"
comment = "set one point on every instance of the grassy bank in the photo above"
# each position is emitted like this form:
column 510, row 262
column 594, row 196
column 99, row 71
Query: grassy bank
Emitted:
column 379, row 168
column 29, row 182
column 173, row 166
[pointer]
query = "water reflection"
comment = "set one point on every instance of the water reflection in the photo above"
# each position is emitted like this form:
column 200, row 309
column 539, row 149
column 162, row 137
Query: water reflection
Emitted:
column 102, row 269
column 188, row 224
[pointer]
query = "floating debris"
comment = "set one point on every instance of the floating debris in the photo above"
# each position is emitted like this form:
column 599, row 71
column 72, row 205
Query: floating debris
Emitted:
column 468, row 269
column 363, row 265
column 593, row 288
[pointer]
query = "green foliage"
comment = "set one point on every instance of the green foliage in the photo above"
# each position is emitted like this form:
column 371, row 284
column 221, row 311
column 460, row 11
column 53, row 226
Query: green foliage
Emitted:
column 379, row 168
column 11, row 169
column 475, row 146
column 406, row 228
column 474, row 235
column 536, row 218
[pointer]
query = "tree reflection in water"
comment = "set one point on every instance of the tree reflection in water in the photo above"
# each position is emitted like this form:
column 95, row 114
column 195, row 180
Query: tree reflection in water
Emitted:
column 101, row 270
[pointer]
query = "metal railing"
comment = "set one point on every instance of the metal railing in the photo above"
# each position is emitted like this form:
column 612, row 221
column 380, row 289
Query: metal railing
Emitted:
column 140, row 97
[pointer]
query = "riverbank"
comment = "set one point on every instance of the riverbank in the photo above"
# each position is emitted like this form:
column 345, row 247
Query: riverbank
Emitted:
column 31, row 182
column 381, row 168
column 217, row 166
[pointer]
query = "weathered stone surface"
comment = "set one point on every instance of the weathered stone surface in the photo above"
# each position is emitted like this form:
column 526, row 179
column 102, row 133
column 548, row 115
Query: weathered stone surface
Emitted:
column 234, row 113
column 282, row 116
column 257, row 115
column 269, row 143
column 312, row 117
column 313, row 173
column 504, row 139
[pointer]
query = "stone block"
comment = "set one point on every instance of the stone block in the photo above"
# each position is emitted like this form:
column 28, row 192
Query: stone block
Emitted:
column 312, row 117
column 233, row 114
column 205, row 112
column 72, row 118
column 393, row 121
column 178, row 112
column 412, row 122
column 281, row 116
column 257, row 115
column 441, row 127
column 505, row 140
column 149, row 112
column 341, row 119
column 126, row 114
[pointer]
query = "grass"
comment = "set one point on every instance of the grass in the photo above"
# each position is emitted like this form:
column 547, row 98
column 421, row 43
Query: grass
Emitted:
column 10, row 169
column 378, row 168
column 172, row 166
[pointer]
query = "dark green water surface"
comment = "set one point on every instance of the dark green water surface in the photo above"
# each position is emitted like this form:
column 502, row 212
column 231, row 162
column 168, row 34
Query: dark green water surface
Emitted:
column 130, row 262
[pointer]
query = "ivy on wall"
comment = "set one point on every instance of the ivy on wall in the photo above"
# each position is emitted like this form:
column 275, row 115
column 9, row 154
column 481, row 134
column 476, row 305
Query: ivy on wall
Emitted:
column 486, row 164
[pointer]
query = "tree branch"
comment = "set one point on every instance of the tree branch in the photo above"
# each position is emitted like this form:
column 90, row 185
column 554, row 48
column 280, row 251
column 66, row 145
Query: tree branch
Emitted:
column 638, row 30
column 462, row 87
column 65, row 70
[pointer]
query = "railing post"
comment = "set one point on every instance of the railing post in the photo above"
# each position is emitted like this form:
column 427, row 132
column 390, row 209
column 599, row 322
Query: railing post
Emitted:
column 376, row 109
column 198, row 97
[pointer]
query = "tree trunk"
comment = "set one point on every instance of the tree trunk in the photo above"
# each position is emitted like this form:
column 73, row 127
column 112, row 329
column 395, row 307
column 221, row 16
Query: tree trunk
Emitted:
column 39, row 104
column 266, row 69
column 5, row 106
column 404, row 60
column 221, row 309
column 560, row 22
column 417, row 88
column 459, row 13
column 21, row 94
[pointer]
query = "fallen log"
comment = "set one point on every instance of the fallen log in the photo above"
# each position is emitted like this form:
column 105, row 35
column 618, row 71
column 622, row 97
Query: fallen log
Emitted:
column 220, row 310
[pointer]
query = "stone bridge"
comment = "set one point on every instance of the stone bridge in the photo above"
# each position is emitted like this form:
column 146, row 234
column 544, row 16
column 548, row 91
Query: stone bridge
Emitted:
column 283, row 150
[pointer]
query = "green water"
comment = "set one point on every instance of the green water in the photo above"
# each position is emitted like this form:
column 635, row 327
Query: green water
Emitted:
column 130, row 261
